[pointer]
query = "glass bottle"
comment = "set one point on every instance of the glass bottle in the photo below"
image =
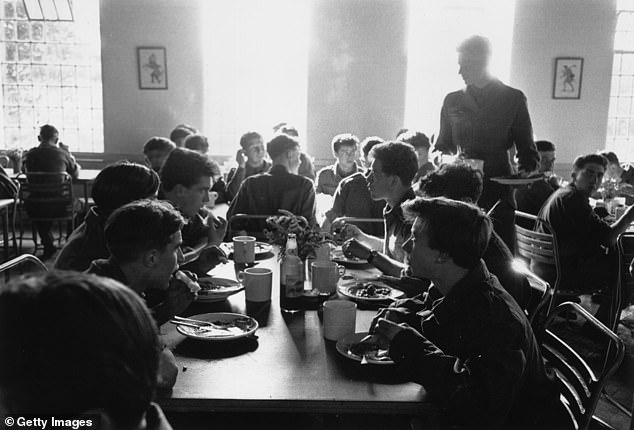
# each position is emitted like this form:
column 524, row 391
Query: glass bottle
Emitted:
column 291, row 278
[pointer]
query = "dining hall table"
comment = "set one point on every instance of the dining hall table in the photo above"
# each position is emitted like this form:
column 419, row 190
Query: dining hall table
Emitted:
column 287, row 368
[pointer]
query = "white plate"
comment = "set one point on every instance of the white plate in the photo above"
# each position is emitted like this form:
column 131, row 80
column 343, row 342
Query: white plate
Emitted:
column 517, row 181
column 248, row 327
column 217, row 288
column 352, row 290
column 338, row 257
column 344, row 344
column 261, row 248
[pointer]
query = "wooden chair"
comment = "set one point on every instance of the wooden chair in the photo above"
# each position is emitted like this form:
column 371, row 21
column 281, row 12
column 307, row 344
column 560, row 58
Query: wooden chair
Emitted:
column 46, row 196
column 580, row 382
column 25, row 263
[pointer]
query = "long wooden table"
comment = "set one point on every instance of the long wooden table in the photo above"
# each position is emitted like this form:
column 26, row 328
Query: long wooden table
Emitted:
column 289, row 368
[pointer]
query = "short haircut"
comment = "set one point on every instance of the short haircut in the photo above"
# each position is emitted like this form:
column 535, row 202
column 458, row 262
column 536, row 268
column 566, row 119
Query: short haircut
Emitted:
column 82, row 342
column 179, row 132
column 476, row 45
column 280, row 144
column 456, row 181
column 286, row 128
column 369, row 143
column 344, row 139
column 544, row 146
column 121, row 183
column 415, row 138
column 398, row 159
column 462, row 230
column 247, row 137
column 581, row 161
column 141, row 226
column 610, row 156
column 157, row 143
column 197, row 142
column 47, row 132
column 185, row 167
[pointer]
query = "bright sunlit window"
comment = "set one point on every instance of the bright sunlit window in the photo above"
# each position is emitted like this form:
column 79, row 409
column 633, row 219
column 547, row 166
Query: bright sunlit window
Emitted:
column 436, row 28
column 620, row 135
column 256, row 68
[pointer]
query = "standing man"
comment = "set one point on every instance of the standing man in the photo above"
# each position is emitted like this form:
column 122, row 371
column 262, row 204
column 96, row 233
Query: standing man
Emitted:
column 50, row 156
column 483, row 121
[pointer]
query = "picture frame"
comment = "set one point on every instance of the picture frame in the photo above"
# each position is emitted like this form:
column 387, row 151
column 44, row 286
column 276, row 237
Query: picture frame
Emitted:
column 152, row 65
column 567, row 79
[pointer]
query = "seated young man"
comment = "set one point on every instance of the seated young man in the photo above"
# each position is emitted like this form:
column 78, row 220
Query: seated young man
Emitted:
column 582, row 236
column 144, row 240
column 180, row 133
column 199, row 143
column 251, row 159
column 186, row 179
column 421, row 145
column 473, row 348
column 622, row 174
column 306, row 166
column 532, row 197
column 458, row 181
column 99, row 356
column 389, row 179
column 344, row 149
column 353, row 199
column 279, row 188
column 156, row 151
column 116, row 185
column 50, row 156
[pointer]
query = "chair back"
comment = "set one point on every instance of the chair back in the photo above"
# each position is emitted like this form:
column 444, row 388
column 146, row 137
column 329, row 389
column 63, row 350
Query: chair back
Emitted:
column 25, row 263
column 580, row 382
column 48, row 196
column 539, row 247
column 253, row 225
column 358, row 221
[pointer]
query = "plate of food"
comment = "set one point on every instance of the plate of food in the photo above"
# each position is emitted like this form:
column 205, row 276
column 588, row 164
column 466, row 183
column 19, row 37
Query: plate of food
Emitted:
column 517, row 179
column 225, row 326
column 214, row 289
column 261, row 248
column 372, row 291
column 337, row 256
column 350, row 347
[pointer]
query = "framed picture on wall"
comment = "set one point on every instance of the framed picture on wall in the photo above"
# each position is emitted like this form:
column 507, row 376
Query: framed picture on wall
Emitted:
column 152, row 64
column 567, row 80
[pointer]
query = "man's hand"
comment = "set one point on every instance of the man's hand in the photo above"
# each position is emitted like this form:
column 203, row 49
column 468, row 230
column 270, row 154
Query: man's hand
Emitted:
column 354, row 248
column 396, row 315
column 209, row 258
column 524, row 174
column 384, row 333
column 344, row 231
column 241, row 158
column 217, row 229
column 177, row 297
column 63, row 146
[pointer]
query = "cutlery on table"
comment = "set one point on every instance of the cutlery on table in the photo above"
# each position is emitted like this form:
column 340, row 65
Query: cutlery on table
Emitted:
column 188, row 322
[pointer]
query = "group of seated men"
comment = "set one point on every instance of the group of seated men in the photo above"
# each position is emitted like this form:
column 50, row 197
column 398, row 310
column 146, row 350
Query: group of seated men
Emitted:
column 463, row 335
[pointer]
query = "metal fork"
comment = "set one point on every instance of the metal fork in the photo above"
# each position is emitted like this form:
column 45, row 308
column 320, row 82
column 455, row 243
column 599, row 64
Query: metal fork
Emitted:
column 188, row 322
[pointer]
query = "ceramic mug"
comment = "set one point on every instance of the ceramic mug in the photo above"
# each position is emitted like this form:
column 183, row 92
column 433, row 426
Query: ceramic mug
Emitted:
column 244, row 249
column 325, row 275
column 257, row 283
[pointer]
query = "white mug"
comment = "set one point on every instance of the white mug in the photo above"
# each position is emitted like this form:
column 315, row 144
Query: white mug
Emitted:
column 244, row 249
column 325, row 275
column 340, row 319
column 257, row 283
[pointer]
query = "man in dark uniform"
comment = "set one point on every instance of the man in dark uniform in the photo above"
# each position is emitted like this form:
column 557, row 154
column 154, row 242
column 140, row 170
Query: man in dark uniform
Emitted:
column 483, row 121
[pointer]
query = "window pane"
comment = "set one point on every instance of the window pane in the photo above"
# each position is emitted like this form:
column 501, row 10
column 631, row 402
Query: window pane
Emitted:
column 10, row 52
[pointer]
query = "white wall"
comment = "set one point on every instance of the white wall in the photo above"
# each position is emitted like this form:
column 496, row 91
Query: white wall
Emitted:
column 544, row 30
column 132, row 115
column 357, row 69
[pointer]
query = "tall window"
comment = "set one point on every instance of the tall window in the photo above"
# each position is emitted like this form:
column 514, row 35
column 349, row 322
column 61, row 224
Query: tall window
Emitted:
column 436, row 28
column 621, row 113
column 256, row 68
column 50, row 71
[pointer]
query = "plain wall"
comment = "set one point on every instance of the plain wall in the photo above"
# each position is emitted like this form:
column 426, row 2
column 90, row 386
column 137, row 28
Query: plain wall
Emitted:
column 132, row 115
column 357, row 70
column 544, row 30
